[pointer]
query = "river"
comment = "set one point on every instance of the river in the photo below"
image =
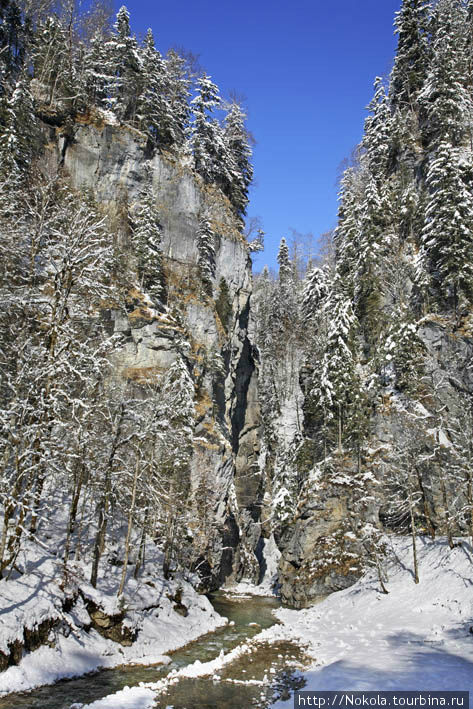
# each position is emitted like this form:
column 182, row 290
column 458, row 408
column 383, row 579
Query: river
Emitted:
column 250, row 615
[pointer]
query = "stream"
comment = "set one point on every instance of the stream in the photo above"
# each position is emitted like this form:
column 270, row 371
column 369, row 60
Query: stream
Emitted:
column 250, row 615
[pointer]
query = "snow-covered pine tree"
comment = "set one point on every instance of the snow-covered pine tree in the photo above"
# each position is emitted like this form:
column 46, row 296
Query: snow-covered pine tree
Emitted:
column 98, row 72
column 285, row 308
column 154, row 109
column 335, row 396
column 445, row 100
column 179, row 94
column 348, row 232
column 268, row 341
column 207, row 138
column 315, row 291
column 377, row 134
column 19, row 136
column 373, row 246
column 205, row 254
column 447, row 237
column 123, row 62
column 412, row 55
column 284, row 262
column 402, row 356
column 239, row 151
column 14, row 40
column 147, row 233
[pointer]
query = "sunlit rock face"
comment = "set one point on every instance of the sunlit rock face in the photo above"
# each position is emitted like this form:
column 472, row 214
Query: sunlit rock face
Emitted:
column 111, row 163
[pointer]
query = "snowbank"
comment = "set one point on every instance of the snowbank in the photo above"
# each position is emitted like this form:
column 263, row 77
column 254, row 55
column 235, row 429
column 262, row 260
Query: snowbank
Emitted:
column 415, row 638
column 41, row 603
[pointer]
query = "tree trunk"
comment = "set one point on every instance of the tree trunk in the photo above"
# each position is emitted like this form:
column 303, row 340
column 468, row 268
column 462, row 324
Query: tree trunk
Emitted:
column 339, row 429
column 426, row 507
column 469, row 497
column 102, row 529
column 168, row 547
column 413, row 533
column 130, row 525
column 103, row 509
column 73, row 513
column 446, row 510
column 141, row 554
column 380, row 577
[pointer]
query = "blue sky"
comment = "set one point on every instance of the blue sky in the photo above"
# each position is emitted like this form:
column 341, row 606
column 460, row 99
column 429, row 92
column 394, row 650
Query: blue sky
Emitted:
column 306, row 70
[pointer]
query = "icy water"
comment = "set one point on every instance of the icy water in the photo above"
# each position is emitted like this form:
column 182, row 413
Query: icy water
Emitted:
column 276, row 662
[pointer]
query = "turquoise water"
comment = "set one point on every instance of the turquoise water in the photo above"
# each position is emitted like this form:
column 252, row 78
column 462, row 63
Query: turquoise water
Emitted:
column 188, row 694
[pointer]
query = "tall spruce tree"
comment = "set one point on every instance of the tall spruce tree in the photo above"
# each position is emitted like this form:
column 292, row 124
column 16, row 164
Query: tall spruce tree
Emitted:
column 445, row 100
column 123, row 63
column 207, row 135
column 147, row 238
column 19, row 138
column 377, row 134
column 239, row 154
column 411, row 61
column 154, row 109
column 447, row 237
column 206, row 254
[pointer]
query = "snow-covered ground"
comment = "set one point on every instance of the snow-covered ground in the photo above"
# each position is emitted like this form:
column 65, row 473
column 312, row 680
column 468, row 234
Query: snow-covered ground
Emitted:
column 75, row 648
column 415, row 638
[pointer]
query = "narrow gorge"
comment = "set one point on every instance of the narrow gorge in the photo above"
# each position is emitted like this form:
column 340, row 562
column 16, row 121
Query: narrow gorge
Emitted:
column 174, row 424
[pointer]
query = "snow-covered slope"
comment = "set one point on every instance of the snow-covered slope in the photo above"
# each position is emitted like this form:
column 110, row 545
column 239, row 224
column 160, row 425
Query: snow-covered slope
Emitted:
column 76, row 628
column 415, row 638
column 418, row 637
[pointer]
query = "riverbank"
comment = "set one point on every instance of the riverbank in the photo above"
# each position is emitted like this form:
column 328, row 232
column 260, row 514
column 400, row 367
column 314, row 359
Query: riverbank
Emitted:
column 187, row 671
column 55, row 625
column 416, row 637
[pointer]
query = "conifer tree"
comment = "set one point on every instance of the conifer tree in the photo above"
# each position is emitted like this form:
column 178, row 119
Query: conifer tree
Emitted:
column 335, row 395
column 284, row 262
column 147, row 238
column 123, row 63
column 412, row 55
column 15, row 36
column 153, row 108
column 447, row 237
column 206, row 254
column 179, row 95
column 19, row 138
column 207, row 136
column 372, row 247
column 348, row 231
column 444, row 97
column 286, row 300
column 98, row 72
column 316, row 290
column 377, row 134
column 239, row 152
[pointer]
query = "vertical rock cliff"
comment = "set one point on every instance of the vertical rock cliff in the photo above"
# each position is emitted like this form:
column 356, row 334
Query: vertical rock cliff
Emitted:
column 209, row 330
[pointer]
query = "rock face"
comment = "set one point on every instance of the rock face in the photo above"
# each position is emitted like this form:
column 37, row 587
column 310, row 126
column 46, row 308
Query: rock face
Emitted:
column 320, row 552
column 112, row 163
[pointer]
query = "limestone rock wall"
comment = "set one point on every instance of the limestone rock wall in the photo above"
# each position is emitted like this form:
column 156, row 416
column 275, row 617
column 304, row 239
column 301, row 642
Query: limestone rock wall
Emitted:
column 112, row 162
